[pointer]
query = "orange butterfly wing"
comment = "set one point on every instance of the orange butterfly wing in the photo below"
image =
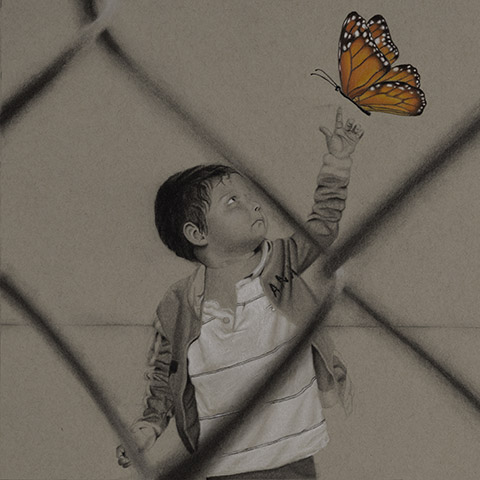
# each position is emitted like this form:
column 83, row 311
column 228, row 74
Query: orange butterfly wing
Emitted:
column 360, row 63
column 381, row 36
column 398, row 98
column 403, row 73
column 366, row 52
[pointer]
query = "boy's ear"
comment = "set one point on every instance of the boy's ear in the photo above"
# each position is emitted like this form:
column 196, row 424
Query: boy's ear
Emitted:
column 194, row 235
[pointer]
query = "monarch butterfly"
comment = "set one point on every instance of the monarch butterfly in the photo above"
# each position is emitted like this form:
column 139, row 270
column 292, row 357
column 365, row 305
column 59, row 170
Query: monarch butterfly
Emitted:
column 366, row 53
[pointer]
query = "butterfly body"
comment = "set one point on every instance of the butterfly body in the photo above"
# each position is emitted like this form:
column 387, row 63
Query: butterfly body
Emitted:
column 366, row 53
column 339, row 89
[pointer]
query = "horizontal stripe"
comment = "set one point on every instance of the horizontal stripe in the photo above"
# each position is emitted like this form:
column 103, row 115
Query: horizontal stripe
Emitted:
column 243, row 362
column 295, row 395
column 277, row 400
column 219, row 415
column 273, row 442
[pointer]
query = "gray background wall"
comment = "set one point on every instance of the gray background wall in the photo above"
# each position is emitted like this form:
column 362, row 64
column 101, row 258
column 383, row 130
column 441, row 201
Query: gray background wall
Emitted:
column 80, row 169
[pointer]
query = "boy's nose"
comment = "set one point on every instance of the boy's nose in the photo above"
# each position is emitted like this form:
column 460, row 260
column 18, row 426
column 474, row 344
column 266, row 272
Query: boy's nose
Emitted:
column 252, row 200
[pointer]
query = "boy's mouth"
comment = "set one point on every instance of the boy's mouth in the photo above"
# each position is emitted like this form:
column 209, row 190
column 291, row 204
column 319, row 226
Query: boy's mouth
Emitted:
column 258, row 220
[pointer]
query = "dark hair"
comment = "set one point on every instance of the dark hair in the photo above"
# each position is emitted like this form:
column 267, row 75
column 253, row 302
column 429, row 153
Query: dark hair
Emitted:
column 185, row 197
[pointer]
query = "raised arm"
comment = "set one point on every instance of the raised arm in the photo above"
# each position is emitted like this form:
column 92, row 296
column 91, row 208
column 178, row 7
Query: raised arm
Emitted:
column 330, row 194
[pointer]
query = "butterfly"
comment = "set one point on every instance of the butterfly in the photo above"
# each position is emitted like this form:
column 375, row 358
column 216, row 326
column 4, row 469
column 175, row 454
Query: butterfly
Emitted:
column 366, row 54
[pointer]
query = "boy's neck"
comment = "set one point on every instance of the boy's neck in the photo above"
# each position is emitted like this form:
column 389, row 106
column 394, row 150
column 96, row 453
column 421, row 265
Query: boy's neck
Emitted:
column 222, row 275
column 243, row 263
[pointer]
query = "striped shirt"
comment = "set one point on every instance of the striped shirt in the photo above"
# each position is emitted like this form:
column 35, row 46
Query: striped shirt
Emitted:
column 238, row 351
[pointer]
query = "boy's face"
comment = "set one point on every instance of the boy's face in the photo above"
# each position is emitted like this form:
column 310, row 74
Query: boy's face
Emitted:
column 235, row 220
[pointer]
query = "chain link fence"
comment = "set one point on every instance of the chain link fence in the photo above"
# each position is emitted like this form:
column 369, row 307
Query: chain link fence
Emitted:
column 434, row 162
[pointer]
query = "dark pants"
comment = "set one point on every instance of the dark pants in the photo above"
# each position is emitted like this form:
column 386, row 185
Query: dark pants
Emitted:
column 301, row 470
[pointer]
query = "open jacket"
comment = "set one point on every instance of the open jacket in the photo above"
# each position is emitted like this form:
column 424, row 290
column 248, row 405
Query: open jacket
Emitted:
column 178, row 323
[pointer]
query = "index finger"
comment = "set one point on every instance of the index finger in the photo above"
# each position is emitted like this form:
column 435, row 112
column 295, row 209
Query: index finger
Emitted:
column 339, row 118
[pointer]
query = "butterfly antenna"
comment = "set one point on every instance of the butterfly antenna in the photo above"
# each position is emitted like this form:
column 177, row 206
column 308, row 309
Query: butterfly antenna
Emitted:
column 326, row 77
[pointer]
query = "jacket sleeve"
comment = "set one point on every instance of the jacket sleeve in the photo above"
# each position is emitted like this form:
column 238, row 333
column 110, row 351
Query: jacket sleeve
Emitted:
column 322, row 223
column 158, row 400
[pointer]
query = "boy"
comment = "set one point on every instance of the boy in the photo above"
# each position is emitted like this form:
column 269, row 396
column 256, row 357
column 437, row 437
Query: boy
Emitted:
column 221, row 332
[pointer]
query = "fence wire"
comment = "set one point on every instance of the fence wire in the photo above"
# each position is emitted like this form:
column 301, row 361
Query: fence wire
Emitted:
column 433, row 163
column 67, row 353
column 46, row 77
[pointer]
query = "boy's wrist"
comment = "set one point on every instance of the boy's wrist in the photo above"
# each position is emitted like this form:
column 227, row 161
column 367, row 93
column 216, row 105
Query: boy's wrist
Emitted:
column 145, row 434
column 339, row 167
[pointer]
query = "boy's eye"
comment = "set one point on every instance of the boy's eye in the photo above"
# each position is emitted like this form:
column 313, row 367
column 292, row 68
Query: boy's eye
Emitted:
column 231, row 200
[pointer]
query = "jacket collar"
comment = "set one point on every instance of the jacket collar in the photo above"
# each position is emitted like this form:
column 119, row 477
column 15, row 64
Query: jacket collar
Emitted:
column 197, row 284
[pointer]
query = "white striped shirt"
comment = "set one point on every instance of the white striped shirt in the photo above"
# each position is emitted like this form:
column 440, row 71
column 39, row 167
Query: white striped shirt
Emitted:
column 237, row 351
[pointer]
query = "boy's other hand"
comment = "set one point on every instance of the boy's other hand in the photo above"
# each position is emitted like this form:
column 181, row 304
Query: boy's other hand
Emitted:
column 144, row 436
column 122, row 457
column 342, row 142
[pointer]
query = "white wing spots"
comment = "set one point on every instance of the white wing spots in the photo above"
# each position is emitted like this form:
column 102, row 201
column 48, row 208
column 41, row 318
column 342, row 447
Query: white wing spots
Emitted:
column 345, row 35
column 379, row 22
column 395, row 69
column 401, row 88
column 358, row 23
column 357, row 33
column 377, row 41
column 380, row 56
column 364, row 34
column 372, row 88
